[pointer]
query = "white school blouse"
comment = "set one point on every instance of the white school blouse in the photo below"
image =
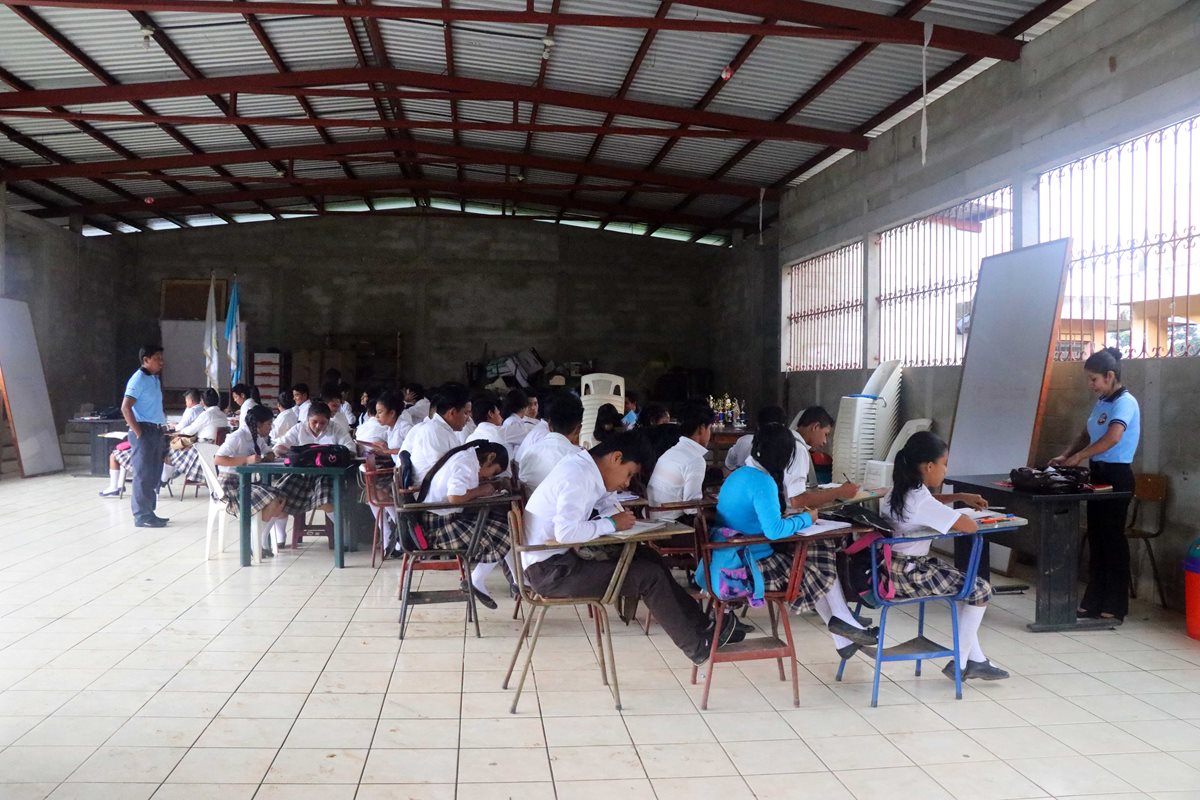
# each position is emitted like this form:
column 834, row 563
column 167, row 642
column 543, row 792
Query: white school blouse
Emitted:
column 428, row 442
column 560, row 509
column 283, row 423
column 246, row 406
column 457, row 476
column 302, row 411
column 417, row 413
column 467, row 433
column 240, row 444
column 515, row 431
column 302, row 434
column 396, row 436
column 371, row 430
column 678, row 476
column 492, row 433
column 543, row 457
column 206, row 425
column 346, row 415
column 923, row 515
column 535, row 435
column 795, row 477
column 189, row 415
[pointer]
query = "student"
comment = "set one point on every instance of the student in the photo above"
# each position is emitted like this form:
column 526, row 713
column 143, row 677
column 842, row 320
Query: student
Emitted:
column 564, row 419
column 631, row 410
column 366, row 399
column 340, row 410
column 389, row 414
column 457, row 478
column 485, row 416
column 303, row 493
column 915, row 511
column 538, row 430
column 302, row 399
column 250, row 444
column 286, row 419
column 752, row 501
column 812, row 431
column 608, row 422
column 209, row 422
column 193, row 406
column 653, row 414
column 438, row 435
column 416, row 405
column 1108, row 442
column 246, row 399
column 737, row 455
column 369, row 428
column 513, row 409
column 678, row 474
column 563, row 509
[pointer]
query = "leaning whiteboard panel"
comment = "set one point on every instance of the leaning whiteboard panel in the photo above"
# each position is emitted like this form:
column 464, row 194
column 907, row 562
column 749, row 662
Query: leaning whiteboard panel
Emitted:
column 1005, row 373
column 24, row 386
column 183, row 354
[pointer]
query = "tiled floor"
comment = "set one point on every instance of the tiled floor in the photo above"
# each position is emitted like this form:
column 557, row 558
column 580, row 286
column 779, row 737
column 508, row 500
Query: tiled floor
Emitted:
column 132, row 668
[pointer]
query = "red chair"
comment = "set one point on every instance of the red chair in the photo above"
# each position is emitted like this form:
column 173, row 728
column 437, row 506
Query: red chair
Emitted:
column 377, row 484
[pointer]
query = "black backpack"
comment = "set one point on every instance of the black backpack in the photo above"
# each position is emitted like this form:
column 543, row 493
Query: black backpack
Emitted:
column 1056, row 480
column 854, row 562
column 320, row 455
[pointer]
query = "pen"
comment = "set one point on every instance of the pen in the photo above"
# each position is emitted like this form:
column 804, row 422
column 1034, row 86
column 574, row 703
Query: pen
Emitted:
column 996, row 508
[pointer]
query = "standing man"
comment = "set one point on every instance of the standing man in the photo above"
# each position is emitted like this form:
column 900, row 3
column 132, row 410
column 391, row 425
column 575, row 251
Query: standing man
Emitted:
column 142, row 408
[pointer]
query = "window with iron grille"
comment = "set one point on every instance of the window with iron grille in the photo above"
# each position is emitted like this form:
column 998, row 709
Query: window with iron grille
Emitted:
column 928, row 271
column 1133, row 217
column 823, row 308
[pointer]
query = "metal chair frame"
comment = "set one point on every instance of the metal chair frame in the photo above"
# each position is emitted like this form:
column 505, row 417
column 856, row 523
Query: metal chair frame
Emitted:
column 1148, row 488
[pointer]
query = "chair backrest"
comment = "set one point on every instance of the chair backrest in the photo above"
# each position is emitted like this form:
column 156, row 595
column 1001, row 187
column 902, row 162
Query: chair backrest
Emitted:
column 516, row 537
column 602, row 383
column 207, row 451
column 218, row 436
column 1150, row 487
column 371, row 477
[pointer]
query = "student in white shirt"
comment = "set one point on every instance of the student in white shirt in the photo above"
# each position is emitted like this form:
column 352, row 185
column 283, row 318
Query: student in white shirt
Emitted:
column 302, row 399
column 250, row 444
column 737, row 455
column 514, row 408
column 485, row 414
column 286, row 418
column 193, row 406
column 211, row 420
column 436, row 436
column 303, row 493
column 564, row 509
column 395, row 428
column 915, row 511
column 183, row 460
column 652, row 415
column 416, row 404
column 338, row 408
column 369, row 428
column 246, row 399
column 679, row 473
column 564, row 419
column 458, row 477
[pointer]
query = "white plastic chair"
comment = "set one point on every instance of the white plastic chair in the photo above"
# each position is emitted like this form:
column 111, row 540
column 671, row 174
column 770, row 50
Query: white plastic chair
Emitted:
column 602, row 383
column 597, row 389
column 217, row 515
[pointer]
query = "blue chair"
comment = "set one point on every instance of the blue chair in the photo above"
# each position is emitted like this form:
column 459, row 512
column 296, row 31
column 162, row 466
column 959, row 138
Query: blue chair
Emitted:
column 919, row 649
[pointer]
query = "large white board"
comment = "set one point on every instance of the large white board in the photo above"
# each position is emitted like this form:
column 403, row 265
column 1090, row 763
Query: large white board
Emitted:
column 183, row 354
column 25, row 392
column 1014, row 323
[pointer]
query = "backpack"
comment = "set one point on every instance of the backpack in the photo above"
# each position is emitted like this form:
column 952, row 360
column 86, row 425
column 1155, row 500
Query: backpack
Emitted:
column 319, row 455
column 854, row 570
column 1055, row 480
column 735, row 575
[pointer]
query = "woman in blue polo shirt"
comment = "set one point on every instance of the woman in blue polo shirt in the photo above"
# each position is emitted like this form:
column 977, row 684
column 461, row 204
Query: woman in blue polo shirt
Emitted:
column 1109, row 441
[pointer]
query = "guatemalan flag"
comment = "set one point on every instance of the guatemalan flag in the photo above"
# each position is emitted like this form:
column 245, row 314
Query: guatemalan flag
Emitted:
column 233, row 335
column 211, row 372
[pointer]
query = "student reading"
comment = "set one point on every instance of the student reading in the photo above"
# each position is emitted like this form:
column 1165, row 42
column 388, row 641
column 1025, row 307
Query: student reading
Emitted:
column 1108, row 442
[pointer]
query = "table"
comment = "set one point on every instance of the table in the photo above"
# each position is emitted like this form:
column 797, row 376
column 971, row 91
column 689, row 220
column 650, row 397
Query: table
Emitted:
column 101, row 446
column 340, row 476
column 1054, row 520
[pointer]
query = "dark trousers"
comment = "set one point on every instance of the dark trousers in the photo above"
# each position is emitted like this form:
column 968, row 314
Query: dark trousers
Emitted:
column 146, row 458
column 568, row 575
column 1108, row 563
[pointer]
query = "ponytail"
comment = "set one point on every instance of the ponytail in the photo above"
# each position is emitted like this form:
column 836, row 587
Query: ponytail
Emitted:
column 1104, row 361
column 256, row 416
column 482, row 448
column 922, row 447
column 773, row 448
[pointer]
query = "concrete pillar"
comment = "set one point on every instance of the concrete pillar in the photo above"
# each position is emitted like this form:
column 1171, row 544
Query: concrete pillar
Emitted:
column 75, row 223
column 871, row 290
column 1025, row 210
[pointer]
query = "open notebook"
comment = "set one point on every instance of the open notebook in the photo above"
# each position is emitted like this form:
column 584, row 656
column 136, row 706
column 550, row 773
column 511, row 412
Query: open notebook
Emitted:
column 824, row 526
column 640, row 526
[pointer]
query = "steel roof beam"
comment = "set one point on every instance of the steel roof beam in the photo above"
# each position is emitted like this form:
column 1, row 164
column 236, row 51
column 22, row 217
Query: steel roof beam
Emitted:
column 325, row 152
column 249, row 83
column 810, row 18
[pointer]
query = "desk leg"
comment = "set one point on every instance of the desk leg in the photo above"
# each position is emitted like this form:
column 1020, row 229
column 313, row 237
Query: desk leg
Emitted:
column 1058, row 559
column 243, row 517
column 339, row 558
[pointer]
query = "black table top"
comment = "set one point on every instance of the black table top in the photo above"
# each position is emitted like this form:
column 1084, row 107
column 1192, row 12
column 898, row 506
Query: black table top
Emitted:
column 987, row 483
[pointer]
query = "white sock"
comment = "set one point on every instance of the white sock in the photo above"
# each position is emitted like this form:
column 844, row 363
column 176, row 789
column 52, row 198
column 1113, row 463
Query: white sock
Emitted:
column 969, row 620
column 479, row 575
column 280, row 531
column 168, row 472
column 826, row 613
column 114, row 479
column 838, row 606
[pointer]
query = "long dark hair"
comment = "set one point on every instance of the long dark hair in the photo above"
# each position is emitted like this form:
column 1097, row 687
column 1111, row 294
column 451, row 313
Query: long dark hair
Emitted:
column 608, row 422
column 923, row 447
column 256, row 416
column 249, row 392
column 481, row 447
column 773, row 448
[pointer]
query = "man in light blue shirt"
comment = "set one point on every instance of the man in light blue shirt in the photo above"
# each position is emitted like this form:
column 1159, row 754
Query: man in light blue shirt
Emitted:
column 142, row 408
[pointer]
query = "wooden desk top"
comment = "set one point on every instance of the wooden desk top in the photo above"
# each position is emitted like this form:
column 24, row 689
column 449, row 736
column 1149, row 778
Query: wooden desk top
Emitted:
column 668, row 530
column 989, row 483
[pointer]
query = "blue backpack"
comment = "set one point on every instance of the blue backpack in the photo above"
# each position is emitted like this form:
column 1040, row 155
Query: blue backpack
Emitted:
column 735, row 573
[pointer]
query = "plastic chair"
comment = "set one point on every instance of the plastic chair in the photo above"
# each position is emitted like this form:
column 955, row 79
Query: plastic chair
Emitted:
column 603, row 384
column 217, row 514
column 920, row 648
column 1148, row 488
column 541, row 604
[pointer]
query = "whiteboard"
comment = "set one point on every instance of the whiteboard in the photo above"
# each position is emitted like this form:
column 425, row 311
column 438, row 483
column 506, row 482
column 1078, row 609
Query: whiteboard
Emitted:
column 25, row 394
column 1005, row 374
column 183, row 354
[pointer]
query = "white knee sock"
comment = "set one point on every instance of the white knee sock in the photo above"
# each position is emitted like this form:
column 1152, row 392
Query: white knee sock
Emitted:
column 479, row 575
column 838, row 606
column 114, row 479
column 969, row 620
column 168, row 472
column 826, row 613
column 278, row 524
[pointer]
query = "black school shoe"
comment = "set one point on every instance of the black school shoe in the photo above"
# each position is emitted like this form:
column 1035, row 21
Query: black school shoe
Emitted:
column 983, row 670
column 866, row 637
column 149, row 521
column 730, row 634
column 483, row 598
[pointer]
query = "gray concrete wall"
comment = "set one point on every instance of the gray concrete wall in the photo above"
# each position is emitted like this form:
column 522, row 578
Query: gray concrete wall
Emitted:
column 74, row 298
column 745, row 324
column 451, row 287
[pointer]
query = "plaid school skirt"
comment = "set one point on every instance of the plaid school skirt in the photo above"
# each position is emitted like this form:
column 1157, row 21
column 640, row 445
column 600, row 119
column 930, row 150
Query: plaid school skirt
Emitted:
column 261, row 495
column 302, row 493
column 123, row 457
column 920, row 576
column 454, row 531
column 820, row 571
column 186, row 463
